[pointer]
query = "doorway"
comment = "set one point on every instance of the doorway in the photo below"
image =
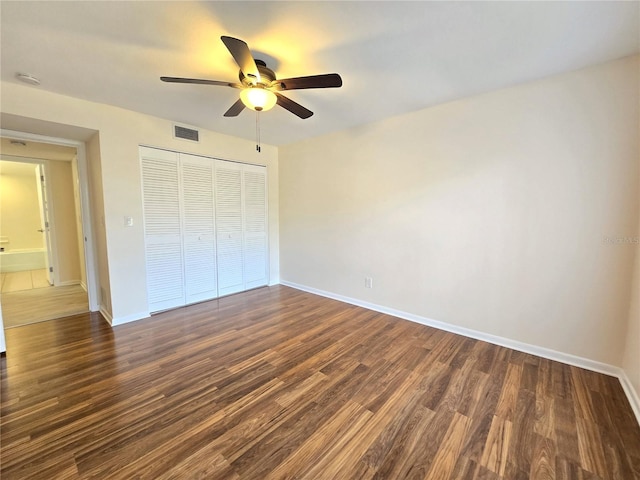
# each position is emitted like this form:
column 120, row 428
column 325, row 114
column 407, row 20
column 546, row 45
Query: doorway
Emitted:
column 24, row 233
column 42, row 257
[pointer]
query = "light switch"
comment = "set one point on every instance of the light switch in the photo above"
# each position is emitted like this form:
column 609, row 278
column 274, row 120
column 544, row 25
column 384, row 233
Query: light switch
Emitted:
column 128, row 221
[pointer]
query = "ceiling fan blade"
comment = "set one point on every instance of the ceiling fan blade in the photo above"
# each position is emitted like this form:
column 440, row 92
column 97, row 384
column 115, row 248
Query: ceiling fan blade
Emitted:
column 235, row 109
column 200, row 82
column 328, row 80
column 242, row 55
column 292, row 106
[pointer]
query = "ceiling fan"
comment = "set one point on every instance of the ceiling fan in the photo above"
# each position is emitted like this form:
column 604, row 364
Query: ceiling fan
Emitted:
column 259, row 87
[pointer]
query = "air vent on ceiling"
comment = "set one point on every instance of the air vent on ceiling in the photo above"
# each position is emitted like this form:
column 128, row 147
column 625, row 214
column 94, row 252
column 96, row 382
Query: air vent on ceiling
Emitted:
column 186, row 133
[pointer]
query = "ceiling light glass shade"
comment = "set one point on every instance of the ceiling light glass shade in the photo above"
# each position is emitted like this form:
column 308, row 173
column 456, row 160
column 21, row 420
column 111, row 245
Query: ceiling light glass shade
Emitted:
column 258, row 99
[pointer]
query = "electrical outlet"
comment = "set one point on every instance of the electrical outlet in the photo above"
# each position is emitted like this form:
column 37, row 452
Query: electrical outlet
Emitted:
column 368, row 282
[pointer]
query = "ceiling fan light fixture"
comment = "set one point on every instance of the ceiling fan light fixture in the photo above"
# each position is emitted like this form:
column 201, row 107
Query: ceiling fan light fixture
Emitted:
column 258, row 99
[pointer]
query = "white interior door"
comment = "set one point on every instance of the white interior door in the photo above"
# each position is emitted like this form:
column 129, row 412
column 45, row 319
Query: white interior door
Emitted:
column 256, row 250
column 229, row 242
column 200, row 264
column 45, row 225
column 163, row 230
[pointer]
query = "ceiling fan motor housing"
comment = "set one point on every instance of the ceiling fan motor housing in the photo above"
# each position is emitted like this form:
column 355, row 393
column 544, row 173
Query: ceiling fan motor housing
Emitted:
column 267, row 76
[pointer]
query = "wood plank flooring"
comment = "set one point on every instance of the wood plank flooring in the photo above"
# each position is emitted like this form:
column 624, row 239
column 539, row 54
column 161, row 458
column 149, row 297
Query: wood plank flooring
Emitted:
column 276, row 383
column 40, row 304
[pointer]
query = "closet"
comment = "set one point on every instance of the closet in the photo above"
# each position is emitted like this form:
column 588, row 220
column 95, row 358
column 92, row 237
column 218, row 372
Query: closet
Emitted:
column 205, row 224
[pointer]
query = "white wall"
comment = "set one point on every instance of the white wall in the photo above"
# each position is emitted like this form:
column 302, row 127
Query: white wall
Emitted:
column 487, row 213
column 77, row 202
column 96, row 193
column 631, row 362
column 60, row 180
column 120, row 133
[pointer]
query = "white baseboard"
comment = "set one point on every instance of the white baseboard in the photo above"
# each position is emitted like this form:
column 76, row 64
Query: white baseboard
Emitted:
column 68, row 283
column 548, row 353
column 129, row 318
column 632, row 394
column 107, row 316
column 114, row 322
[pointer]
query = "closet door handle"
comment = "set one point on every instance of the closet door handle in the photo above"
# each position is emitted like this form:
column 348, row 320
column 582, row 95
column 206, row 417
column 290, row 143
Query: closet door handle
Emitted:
column 41, row 230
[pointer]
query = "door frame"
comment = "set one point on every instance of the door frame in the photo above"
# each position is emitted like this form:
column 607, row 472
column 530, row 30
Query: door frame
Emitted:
column 85, row 210
column 46, row 225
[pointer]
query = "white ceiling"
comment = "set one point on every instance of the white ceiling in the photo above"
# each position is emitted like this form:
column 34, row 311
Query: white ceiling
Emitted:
column 394, row 57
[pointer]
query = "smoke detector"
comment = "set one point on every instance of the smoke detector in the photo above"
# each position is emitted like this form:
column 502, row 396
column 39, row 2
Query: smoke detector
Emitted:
column 28, row 78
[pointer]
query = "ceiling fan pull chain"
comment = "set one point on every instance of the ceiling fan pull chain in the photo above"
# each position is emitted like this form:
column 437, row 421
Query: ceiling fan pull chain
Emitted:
column 258, row 131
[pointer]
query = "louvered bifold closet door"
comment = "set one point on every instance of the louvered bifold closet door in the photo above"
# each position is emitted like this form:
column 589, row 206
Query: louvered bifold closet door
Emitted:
column 199, row 228
column 228, row 192
column 162, row 226
column 256, row 260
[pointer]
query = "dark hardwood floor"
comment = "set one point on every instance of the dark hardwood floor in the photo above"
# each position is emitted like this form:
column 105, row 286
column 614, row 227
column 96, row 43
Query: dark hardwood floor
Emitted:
column 276, row 383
